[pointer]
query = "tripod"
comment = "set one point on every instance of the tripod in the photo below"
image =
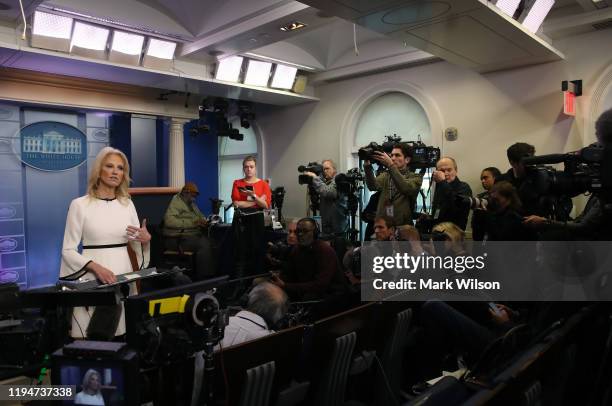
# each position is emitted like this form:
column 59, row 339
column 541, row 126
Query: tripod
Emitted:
column 354, row 203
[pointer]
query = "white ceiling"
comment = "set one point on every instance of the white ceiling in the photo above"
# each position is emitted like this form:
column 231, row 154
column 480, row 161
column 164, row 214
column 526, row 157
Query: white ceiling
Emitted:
column 211, row 29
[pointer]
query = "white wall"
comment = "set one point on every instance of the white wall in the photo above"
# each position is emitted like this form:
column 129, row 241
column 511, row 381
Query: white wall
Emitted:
column 490, row 111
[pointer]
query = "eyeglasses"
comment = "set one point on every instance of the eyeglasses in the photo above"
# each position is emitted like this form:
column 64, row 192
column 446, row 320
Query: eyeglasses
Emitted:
column 301, row 230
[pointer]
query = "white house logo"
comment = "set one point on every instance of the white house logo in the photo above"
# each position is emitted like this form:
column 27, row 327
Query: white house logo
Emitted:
column 52, row 146
column 7, row 244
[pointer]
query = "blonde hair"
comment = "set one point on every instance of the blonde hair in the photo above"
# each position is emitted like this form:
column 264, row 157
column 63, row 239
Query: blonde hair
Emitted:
column 94, row 175
column 88, row 376
column 410, row 231
column 453, row 231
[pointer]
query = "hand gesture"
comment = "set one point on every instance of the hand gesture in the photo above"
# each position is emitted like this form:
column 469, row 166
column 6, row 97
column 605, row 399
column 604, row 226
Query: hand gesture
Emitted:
column 438, row 176
column 138, row 234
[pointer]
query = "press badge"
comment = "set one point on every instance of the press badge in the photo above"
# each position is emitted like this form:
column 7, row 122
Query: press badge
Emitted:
column 389, row 210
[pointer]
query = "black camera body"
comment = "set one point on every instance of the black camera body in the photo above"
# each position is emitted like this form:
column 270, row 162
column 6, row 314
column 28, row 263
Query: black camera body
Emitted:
column 313, row 167
column 423, row 156
column 347, row 183
column 367, row 152
column 582, row 172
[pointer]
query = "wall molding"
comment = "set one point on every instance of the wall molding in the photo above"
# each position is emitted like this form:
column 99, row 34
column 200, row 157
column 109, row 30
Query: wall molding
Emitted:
column 603, row 85
column 349, row 124
column 66, row 91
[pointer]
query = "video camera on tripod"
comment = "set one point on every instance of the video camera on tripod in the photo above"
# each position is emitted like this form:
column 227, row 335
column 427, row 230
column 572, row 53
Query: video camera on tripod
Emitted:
column 313, row 167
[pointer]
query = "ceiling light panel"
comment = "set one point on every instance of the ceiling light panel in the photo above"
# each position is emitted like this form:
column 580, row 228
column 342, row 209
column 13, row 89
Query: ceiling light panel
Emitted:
column 536, row 14
column 126, row 48
column 228, row 69
column 284, row 76
column 51, row 25
column 161, row 49
column 51, row 31
column 159, row 55
column 508, row 6
column 89, row 40
column 126, row 43
column 258, row 73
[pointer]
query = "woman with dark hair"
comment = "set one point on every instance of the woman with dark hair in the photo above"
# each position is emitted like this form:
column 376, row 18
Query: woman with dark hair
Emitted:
column 504, row 222
column 488, row 177
column 250, row 196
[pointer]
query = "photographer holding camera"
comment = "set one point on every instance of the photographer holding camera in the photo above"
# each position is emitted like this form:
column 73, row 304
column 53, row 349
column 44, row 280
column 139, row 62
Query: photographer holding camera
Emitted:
column 398, row 186
column 444, row 207
column 332, row 203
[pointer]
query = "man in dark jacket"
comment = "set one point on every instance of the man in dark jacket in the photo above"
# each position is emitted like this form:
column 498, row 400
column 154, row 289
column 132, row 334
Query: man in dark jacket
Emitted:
column 312, row 270
column 445, row 206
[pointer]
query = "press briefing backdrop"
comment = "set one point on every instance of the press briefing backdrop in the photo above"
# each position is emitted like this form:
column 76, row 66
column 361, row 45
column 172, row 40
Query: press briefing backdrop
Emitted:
column 34, row 200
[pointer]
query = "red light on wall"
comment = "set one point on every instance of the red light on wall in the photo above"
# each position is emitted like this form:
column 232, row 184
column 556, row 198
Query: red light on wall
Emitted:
column 569, row 103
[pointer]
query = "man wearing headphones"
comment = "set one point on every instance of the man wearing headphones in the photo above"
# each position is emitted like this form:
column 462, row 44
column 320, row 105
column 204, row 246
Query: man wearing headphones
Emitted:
column 312, row 268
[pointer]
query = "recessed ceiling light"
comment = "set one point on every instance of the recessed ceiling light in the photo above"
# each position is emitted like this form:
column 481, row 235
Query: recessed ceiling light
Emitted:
column 292, row 26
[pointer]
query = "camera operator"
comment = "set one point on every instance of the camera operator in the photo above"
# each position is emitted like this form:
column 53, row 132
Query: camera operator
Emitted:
column 444, row 207
column 398, row 185
column 333, row 205
column 488, row 177
column 517, row 176
column 590, row 224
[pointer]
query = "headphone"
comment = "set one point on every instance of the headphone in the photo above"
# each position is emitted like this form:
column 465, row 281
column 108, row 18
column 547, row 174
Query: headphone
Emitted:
column 317, row 230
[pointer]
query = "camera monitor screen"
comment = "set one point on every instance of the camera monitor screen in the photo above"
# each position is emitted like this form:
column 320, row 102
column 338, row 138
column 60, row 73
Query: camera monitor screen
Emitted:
column 98, row 381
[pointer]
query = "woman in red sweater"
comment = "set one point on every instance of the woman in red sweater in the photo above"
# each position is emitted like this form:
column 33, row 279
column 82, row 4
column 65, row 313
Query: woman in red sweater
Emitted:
column 250, row 197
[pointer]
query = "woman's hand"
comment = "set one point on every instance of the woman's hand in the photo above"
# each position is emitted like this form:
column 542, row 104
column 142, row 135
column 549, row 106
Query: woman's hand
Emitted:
column 103, row 274
column 139, row 234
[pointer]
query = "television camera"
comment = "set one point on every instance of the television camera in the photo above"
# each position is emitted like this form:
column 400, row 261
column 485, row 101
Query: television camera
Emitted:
column 585, row 170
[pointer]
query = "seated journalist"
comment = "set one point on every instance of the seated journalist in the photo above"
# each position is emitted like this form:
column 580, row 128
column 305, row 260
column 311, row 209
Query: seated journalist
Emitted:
column 185, row 229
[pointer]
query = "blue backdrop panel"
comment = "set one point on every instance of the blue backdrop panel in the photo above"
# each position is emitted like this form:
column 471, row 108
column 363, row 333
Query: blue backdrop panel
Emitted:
column 11, row 199
column 201, row 164
column 144, row 152
column 162, row 133
column 47, row 196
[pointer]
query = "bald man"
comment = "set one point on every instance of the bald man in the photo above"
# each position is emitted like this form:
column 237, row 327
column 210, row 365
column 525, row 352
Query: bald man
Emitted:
column 448, row 186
